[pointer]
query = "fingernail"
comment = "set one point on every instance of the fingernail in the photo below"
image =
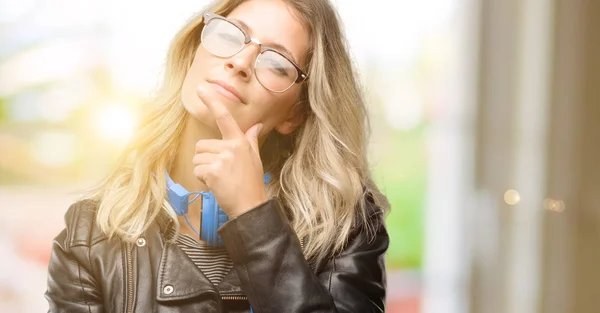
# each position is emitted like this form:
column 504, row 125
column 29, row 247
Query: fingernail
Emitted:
column 200, row 89
column 259, row 128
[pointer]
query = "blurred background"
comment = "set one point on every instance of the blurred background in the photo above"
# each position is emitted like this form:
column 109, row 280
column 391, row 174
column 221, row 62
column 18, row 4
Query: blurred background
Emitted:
column 486, row 138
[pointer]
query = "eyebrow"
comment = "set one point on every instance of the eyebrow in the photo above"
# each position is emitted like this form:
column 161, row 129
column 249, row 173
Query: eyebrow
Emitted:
column 274, row 45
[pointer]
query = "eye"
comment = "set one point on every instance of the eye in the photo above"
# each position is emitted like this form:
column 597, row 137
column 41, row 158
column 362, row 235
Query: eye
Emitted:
column 276, row 67
column 230, row 38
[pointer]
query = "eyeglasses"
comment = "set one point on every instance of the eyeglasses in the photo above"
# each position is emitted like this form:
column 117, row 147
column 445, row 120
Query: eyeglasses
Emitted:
column 273, row 69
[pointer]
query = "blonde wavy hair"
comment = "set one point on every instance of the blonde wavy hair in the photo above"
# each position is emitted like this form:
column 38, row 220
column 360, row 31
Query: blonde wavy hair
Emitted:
column 319, row 172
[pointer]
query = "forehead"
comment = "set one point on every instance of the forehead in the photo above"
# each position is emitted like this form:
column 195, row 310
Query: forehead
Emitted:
column 274, row 22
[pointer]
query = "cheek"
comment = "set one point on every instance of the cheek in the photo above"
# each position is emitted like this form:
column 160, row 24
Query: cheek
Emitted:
column 196, row 71
column 194, row 76
column 273, row 108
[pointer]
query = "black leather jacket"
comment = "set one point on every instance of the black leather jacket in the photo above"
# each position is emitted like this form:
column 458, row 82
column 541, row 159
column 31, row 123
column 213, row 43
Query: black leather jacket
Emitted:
column 89, row 273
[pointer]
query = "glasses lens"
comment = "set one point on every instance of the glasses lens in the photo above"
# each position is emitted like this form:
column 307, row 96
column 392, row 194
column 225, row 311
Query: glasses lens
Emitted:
column 222, row 38
column 274, row 71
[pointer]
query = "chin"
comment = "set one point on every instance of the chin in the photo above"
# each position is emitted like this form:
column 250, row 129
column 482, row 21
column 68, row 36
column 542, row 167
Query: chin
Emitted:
column 203, row 123
column 192, row 103
column 198, row 111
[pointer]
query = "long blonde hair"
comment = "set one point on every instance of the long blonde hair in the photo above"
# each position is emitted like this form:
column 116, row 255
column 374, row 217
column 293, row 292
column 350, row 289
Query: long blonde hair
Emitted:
column 320, row 172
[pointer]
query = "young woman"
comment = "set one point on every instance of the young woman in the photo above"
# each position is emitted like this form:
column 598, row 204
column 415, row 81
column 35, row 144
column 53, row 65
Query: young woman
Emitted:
column 246, row 188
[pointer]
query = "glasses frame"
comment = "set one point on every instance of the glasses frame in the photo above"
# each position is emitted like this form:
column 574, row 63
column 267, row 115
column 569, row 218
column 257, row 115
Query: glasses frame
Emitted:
column 301, row 76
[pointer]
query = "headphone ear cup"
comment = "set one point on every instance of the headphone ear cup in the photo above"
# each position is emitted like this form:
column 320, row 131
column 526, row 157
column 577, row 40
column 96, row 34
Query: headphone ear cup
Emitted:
column 222, row 218
column 178, row 197
column 213, row 217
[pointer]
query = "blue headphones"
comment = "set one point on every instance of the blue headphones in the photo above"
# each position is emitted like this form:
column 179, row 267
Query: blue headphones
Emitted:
column 213, row 216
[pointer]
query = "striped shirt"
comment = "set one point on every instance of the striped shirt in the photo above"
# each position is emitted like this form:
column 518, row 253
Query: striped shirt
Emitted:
column 214, row 262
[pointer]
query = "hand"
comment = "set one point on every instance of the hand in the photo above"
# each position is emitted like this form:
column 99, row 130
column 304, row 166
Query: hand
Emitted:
column 230, row 167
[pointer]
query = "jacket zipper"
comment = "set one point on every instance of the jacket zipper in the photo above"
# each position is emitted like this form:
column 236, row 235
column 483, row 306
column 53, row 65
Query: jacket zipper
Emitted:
column 129, row 278
column 234, row 298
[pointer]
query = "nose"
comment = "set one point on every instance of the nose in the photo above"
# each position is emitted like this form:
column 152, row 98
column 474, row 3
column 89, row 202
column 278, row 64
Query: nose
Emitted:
column 243, row 61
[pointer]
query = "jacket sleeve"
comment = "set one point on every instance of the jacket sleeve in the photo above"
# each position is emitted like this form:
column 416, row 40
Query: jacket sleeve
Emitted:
column 71, row 284
column 269, row 261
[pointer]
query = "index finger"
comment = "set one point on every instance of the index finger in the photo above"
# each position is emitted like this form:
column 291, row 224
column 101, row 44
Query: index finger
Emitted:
column 227, row 125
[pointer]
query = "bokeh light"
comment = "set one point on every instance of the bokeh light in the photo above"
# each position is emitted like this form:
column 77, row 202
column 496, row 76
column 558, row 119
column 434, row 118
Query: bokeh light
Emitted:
column 115, row 122
column 512, row 197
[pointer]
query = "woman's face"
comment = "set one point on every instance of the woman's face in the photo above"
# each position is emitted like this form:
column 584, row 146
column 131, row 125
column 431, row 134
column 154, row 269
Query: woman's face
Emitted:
column 274, row 24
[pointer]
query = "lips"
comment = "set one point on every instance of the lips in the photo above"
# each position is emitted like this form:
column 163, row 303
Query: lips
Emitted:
column 227, row 90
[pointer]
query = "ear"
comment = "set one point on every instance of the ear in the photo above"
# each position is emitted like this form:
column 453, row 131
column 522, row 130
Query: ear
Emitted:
column 294, row 119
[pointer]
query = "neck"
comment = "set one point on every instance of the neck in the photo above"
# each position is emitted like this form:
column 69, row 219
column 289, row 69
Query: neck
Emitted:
column 182, row 171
